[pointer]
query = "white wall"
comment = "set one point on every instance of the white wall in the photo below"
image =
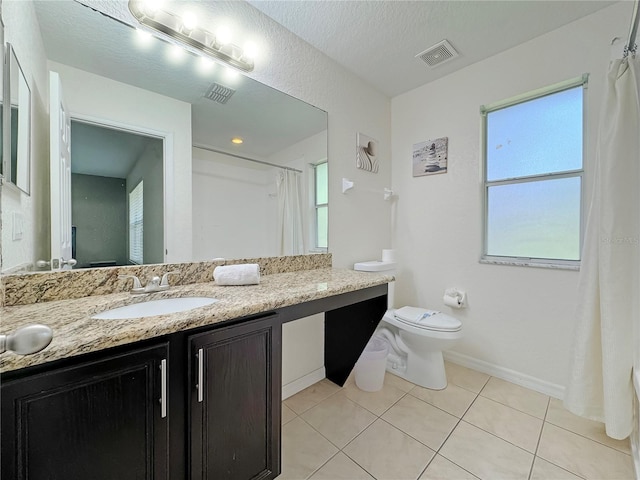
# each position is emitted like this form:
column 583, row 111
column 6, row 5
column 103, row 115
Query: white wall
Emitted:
column 359, row 222
column 233, row 211
column 23, row 32
column 143, row 111
column 518, row 318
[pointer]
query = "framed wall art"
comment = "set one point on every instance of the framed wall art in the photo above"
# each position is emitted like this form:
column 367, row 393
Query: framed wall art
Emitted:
column 430, row 157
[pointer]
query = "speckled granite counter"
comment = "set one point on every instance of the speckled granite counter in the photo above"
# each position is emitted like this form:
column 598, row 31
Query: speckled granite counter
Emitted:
column 75, row 333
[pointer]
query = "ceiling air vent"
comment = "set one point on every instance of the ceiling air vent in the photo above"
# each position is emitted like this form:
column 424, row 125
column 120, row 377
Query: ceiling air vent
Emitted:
column 439, row 53
column 219, row 93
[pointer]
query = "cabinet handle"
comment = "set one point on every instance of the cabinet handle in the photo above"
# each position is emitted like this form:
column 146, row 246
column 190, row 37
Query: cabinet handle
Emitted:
column 163, row 387
column 200, row 385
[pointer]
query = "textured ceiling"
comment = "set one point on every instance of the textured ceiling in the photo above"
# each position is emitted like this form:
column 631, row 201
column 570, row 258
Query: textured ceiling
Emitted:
column 267, row 119
column 378, row 40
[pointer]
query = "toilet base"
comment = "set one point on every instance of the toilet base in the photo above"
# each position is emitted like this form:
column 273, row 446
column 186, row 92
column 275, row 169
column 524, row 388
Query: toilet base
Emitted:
column 426, row 370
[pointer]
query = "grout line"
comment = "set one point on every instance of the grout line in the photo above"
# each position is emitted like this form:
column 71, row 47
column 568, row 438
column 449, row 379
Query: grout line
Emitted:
column 588, row 438
column 499, row 437
column 451, row 433
column 328, row 440
column 354, row 461
column 519, row 410
column 562, row 468
column 328, row 460
column 535, row 454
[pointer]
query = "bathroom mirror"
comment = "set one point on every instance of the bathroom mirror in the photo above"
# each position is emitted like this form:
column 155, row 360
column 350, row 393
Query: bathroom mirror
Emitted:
column 2, row 95
column 231, row 204
column 17, row 163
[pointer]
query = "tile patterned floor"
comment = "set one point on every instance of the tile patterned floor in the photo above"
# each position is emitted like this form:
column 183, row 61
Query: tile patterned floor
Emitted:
column 479, row 427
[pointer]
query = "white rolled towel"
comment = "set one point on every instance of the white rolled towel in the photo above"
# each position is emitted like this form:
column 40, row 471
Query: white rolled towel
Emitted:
column 242, row 274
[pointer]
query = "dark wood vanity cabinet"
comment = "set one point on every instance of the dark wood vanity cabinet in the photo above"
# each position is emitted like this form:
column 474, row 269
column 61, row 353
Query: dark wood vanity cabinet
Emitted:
column 234, row 409
column 201, row 405
column 100, row 419
column 100, row 416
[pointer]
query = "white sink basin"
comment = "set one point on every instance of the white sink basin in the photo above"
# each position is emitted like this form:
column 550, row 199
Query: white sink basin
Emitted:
column 155, row 307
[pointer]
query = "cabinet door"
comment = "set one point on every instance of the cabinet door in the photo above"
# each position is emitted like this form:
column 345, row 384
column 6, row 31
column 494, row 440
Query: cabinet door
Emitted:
column 98, row 420
column 235, row 401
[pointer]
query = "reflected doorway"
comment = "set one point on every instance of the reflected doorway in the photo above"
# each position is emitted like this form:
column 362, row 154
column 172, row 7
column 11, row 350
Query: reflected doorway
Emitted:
column 113, row 223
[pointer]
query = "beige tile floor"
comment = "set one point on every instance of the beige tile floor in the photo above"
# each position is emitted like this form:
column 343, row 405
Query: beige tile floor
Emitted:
column 478, row 427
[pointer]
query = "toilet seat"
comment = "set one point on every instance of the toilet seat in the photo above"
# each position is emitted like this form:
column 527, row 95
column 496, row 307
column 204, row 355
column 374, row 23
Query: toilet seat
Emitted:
column 427, row 319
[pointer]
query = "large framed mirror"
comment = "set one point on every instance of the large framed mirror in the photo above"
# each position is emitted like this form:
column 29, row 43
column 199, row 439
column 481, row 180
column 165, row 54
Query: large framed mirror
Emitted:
column 17, row 164
column 2, row 96
column 137, row 103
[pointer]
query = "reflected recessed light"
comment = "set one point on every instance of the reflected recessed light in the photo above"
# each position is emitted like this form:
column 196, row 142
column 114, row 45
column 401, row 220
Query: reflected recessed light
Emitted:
column 143, row 37
column 237, row 140
column 143, row 33
column 230, row 74
column 206, row 64
column 176, row 53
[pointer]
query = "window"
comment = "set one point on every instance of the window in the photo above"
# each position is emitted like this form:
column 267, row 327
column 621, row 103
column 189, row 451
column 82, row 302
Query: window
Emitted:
column 321, row 203
column 136, row 203
column 533, row 165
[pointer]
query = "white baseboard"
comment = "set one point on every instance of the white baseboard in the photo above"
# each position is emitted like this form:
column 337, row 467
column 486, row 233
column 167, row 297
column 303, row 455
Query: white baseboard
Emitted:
column 301, row 383
column 524, row 380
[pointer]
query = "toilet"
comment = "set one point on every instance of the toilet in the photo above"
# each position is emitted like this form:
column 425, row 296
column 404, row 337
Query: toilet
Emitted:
column 417, row 337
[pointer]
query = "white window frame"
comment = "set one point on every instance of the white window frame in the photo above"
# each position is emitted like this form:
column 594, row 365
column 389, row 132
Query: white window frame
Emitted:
column 315, row 207
column 137, row 260
column 484, row 111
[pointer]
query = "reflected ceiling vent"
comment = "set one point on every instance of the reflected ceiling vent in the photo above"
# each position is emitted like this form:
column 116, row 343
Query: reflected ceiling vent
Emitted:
column 219, row 93
column 438, row 54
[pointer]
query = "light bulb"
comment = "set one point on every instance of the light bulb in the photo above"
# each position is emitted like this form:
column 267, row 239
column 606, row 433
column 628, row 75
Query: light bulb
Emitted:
column 223, row 35
column 189, row 21
column 237, row 140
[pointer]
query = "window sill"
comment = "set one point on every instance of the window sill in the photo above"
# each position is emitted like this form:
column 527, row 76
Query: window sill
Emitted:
column 521, row 262
column 318, row 250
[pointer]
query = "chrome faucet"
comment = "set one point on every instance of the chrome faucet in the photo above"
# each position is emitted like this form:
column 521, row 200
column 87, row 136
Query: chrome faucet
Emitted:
column 154, row 285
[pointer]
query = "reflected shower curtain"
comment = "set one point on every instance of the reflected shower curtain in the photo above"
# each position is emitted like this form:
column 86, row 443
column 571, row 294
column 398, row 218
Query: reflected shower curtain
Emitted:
column 290, row 228
column 600, row 385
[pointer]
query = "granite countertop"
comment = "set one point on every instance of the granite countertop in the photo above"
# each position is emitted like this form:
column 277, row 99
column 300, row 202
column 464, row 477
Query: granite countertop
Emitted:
column 75, row 333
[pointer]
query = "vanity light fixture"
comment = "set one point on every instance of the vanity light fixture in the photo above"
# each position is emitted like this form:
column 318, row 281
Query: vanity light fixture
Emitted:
column 185, row 30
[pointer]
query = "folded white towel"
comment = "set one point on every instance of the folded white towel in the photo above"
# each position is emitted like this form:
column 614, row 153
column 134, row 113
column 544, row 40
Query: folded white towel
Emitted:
column 243, row 274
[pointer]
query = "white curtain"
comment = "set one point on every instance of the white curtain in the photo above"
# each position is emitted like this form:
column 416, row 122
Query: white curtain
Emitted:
column 600, row 385
column 291, row 239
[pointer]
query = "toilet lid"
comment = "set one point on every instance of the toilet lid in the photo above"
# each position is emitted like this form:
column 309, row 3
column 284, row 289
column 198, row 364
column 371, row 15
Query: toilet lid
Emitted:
column 428, row 319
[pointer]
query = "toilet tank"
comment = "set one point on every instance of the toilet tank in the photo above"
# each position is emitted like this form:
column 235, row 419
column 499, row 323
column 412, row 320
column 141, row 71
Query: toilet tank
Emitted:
column 380, row 266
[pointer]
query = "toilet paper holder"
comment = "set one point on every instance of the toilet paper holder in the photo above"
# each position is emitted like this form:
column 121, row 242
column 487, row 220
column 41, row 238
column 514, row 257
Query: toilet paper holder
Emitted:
column 455, row 298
